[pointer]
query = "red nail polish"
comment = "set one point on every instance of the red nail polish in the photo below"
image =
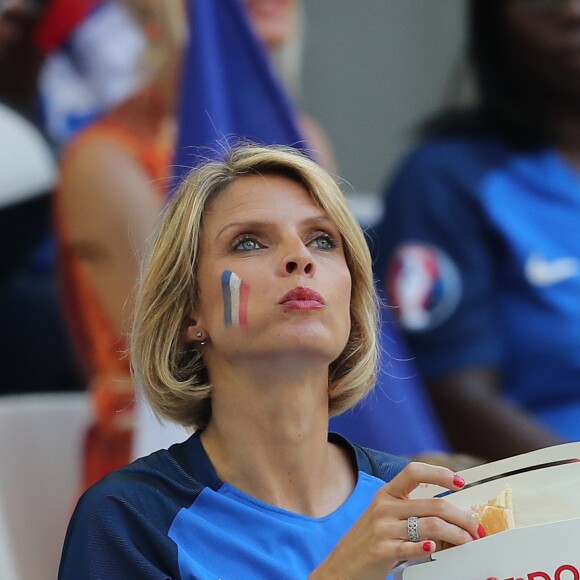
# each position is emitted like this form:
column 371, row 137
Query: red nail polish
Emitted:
column 494, row 578
column 481, row 531
column 458, row 481
column 427, row 547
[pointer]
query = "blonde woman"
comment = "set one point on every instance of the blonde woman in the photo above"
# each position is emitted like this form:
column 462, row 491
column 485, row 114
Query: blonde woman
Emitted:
column 255, row 322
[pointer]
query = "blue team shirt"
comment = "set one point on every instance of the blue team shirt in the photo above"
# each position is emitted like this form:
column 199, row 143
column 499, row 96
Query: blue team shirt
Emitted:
column 169, row 516
column 480, row 249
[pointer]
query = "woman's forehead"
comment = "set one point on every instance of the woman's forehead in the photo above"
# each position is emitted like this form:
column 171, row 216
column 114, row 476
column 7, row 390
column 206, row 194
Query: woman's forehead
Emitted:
column 263, row 192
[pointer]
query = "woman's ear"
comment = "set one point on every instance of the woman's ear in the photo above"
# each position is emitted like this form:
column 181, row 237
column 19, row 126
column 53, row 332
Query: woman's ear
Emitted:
column 192, row 331
column 190, row 328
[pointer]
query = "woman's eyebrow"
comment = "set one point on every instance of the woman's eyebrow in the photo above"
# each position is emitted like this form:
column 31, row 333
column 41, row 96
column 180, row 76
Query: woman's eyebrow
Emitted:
column 259, row 224
column 243, row 225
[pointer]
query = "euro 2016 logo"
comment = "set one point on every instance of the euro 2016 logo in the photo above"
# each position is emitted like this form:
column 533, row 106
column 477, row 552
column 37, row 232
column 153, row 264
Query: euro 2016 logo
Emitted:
column 564, row 572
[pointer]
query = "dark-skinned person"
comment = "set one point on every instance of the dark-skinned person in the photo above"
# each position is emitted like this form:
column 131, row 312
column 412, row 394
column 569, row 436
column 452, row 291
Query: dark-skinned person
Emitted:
column 478, row 245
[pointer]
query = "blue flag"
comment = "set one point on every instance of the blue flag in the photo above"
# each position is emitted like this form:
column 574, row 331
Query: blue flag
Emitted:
column 228, row 88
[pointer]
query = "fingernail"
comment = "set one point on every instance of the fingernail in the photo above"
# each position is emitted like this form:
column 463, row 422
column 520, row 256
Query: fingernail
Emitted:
column 481, row 531
column 458, row 481
column 428, row 547
column 494, row 578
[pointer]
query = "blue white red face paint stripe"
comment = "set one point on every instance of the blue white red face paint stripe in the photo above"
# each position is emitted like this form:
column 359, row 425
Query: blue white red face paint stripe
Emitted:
column 235, row 293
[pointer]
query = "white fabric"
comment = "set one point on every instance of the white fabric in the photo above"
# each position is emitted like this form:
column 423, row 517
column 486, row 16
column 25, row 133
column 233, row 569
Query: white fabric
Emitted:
column 27, row 166
column 40, row 456
column 100, row 67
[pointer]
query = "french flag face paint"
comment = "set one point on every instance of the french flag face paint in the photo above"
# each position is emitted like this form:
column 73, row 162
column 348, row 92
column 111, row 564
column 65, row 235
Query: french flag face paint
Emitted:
column 235, row 293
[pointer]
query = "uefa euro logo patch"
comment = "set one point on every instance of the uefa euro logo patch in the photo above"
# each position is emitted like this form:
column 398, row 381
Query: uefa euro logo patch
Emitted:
column 424, row 286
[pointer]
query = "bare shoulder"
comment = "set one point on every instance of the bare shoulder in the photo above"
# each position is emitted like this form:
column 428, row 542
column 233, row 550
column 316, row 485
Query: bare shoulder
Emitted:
column 101, row 184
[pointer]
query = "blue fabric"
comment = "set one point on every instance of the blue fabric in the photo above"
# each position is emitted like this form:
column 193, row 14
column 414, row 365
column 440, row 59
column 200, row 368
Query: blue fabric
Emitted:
column 508, row 220
column 230, row 535
column 228, row 89
column 169, row 516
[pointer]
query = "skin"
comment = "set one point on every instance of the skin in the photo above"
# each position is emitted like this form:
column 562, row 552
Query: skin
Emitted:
column 544, row 54
column 107, row 230
column 477, row 419
column 268, row 431
column 273, row 20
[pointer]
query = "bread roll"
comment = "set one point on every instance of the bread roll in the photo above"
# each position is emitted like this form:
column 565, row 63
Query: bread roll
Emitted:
column 497, row 514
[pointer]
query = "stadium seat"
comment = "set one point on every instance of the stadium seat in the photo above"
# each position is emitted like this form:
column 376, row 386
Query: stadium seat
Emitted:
column 40, row 450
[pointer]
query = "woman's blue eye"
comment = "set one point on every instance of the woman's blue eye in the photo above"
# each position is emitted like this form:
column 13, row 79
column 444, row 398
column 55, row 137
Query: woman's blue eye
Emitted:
column 247, row 245
column 324, row 242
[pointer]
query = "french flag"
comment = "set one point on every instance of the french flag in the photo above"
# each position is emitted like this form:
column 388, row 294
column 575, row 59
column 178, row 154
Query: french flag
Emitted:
column 235, row 294
column 58, row 21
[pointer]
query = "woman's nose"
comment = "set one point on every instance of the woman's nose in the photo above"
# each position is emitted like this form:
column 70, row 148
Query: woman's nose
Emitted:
column 298, row 261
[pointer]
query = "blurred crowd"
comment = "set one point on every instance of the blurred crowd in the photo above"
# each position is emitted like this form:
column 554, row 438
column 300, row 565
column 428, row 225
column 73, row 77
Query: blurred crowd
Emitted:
column 476, row 252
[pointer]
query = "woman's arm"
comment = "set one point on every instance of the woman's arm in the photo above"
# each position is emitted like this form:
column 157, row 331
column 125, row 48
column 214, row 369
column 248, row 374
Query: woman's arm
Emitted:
column 479, row 421
column 109, row 208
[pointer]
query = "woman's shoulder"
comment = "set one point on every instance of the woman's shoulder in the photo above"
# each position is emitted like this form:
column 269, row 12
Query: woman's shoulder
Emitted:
column 129, row 515
column 383, row 465
column 163, row 478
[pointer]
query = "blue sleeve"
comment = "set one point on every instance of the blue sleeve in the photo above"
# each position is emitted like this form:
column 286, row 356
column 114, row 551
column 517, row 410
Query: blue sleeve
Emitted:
column 435, row 254
column 117, row 537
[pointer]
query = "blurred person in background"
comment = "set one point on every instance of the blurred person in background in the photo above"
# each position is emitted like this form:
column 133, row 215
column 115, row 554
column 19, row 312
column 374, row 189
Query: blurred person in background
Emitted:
column 114, row 182
column 479, row 245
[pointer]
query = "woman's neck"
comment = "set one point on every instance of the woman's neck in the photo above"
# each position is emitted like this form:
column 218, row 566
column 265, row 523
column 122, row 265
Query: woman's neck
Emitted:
column 271, row 441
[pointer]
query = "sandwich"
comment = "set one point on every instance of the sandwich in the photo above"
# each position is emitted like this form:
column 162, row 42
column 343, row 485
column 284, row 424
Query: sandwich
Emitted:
column 497, row 514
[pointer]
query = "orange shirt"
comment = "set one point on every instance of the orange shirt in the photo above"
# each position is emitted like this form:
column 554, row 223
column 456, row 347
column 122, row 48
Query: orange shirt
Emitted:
column 101, row 350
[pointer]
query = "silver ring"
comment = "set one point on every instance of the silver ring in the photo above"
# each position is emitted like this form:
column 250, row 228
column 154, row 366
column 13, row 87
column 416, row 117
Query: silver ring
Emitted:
column 413, row 529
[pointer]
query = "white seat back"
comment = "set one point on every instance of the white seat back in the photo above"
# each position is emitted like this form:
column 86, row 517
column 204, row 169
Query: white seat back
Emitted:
column 40, row 467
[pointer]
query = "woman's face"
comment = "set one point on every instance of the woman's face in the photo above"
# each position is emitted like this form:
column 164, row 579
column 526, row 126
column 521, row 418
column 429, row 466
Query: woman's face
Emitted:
column 273, row 20
column 272, row 274
column 543, row 43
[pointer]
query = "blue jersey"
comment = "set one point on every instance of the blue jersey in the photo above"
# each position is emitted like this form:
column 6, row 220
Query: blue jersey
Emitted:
column 480, row 250
column 169, row 516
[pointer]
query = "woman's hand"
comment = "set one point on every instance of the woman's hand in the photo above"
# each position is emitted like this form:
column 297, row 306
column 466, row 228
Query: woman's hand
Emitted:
column 380, row 540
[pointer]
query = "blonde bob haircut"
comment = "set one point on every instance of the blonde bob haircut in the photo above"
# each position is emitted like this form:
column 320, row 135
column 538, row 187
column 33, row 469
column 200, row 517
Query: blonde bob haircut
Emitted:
column 171, row 372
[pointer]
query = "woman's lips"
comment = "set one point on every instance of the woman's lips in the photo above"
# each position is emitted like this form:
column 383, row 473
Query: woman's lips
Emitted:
column 302, row 298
